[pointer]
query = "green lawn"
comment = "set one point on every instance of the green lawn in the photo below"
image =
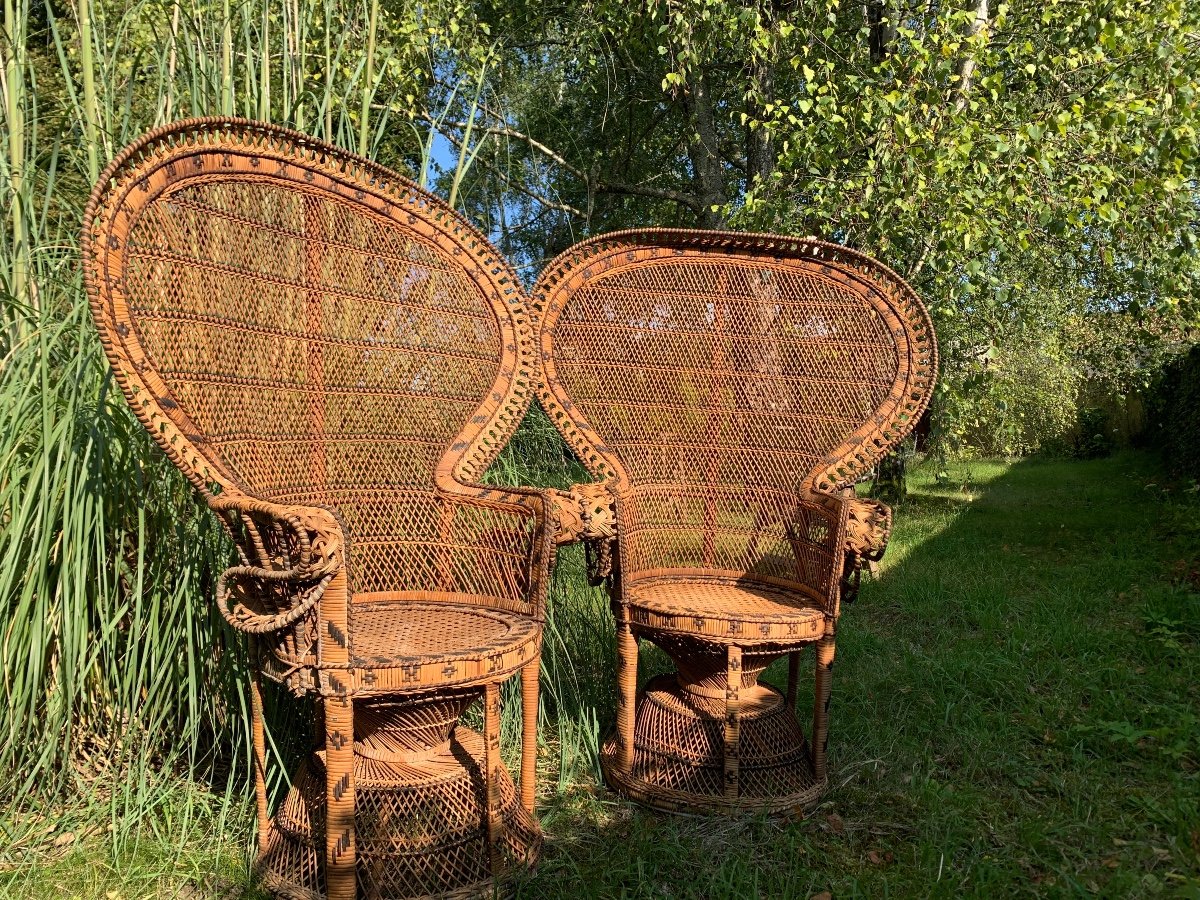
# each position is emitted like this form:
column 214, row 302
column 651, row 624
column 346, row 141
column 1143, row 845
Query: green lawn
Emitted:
column 1016, row 711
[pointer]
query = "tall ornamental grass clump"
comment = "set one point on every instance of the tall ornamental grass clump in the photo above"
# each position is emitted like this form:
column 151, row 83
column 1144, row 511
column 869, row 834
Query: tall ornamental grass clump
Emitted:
column 115, row 668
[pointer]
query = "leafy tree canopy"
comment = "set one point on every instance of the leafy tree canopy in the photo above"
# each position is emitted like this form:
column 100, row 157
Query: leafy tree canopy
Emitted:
column 1021, row 164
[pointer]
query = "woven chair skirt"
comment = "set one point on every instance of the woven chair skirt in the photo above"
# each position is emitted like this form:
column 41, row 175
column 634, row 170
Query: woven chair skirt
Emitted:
column 711, row 738
column 421, row 810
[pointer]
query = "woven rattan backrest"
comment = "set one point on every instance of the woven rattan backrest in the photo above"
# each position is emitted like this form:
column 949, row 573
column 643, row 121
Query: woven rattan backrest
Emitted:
column 295, row 323
column 730, row 361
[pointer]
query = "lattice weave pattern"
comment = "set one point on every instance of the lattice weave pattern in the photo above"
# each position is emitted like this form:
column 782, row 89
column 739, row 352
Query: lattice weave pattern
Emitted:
column 699, row 358
column 747, row 532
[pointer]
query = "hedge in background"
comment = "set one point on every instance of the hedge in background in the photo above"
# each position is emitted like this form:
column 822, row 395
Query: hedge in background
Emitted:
column 1176, row 413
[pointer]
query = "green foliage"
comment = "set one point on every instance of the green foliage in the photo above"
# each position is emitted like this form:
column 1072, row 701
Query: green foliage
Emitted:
column 890, row 483
column 101, row 584
column 1009, row 398
column 1024, row 165
column 1094, row 437
column 1121, row 353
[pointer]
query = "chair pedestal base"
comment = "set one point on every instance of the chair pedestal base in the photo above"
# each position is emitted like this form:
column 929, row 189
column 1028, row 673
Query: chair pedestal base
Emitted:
column 679, row 747
column 420, row 811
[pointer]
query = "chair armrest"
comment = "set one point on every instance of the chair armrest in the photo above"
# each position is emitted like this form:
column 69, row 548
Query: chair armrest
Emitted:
column 289, row 554
column 868, row 528
column 587, row 513
column 818, row 534
column 512, row 534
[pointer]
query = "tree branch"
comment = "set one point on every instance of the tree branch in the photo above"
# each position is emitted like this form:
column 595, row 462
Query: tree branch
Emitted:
column 966, row 68
column 508, row 182
column 595, row 185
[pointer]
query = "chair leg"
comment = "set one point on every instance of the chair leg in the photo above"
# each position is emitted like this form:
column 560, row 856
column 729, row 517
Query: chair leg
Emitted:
column 820, row 730
column 793, row 678
column 491, row 775
column 627, row 665
column 530, row 674
column 258, row 738
column 733, row 703
column 340, row 879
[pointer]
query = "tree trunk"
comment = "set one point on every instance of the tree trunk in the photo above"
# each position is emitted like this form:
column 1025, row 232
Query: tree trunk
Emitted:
column 966, row 68
column 881, row 20
column 760, row 152
column 704, row 154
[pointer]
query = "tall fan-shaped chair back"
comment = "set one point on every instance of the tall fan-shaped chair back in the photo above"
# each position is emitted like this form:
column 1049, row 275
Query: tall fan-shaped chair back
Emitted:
column 333, row 357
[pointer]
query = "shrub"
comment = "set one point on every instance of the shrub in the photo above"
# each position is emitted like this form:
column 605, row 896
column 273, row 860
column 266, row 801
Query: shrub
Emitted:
column 1175, row 413
column 1016, row 399
column 1094, row 437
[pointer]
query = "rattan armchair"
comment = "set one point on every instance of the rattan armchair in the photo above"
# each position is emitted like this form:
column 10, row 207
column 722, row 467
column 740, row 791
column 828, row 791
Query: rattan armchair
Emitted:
column 727, row 391
column 333, row 358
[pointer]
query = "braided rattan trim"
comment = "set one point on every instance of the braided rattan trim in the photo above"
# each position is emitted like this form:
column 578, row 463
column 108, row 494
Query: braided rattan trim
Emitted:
column 843, row 465
column 794, row 806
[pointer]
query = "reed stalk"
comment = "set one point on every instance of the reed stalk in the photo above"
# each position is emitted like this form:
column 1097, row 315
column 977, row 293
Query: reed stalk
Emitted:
column 368, row 81
column 329, row 72
column 172, row 57
column 16, row 15
column 264, row 77
column 226, row 60
column 91, row 106
column 465, row 155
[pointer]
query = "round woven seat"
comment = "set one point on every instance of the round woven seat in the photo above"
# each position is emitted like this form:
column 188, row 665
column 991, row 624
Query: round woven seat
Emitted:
column 440, row 644
column 738, row 611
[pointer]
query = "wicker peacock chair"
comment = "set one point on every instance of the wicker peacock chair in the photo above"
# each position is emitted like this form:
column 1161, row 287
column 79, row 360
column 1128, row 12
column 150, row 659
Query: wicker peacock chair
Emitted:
column 333, row 358
column 727, row 391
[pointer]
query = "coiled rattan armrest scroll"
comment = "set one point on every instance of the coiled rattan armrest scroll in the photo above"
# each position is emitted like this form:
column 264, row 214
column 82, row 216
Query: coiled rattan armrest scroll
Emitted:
column 288, row 557
column 587, row 513
column 868, row 528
